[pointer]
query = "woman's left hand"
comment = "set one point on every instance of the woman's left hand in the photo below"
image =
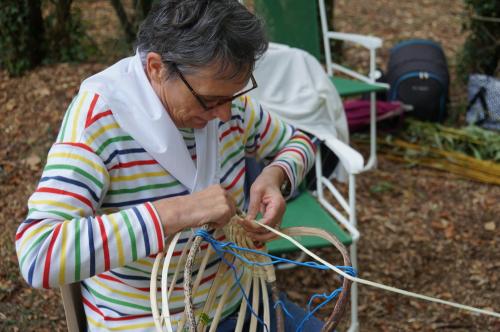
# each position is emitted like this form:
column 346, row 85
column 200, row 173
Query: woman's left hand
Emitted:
column 266, row 198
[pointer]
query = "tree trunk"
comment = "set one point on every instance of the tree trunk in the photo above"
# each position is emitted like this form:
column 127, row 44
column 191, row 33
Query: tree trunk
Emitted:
column 142, row 9
column 36, row 32
column 124, row 21
column 62, row 27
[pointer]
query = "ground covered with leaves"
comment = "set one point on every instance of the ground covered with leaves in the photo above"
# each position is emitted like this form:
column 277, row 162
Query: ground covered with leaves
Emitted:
column 421, row 230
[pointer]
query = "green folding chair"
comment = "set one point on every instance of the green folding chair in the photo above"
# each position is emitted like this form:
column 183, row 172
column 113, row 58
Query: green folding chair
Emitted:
column 294, row 86
column 295, row 23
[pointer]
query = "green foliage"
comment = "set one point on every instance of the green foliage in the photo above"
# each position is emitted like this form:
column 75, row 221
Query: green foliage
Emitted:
column 21, row 32
column 481, row 51
column 27, row 38
column 205, row 319
column 66, row 38
column 381, row 187
column 472, row 141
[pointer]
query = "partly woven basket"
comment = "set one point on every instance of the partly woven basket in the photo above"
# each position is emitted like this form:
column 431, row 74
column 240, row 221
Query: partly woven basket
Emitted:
column 262, row 278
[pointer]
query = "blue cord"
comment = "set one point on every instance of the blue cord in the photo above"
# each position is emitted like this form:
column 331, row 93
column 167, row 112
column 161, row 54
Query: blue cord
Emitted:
column 220, row 248
column 230, row 247
column 310, row 312
column 238, row 282
column 280, row 303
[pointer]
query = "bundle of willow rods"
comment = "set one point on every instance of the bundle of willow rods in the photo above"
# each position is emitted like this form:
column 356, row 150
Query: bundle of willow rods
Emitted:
column 471, row 140
column 472, row 153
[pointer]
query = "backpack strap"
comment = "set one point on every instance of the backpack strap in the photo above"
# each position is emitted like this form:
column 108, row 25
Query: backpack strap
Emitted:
column 480, row 94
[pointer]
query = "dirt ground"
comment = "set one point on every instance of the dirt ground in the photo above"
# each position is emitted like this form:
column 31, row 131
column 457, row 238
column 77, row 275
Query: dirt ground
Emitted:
column 421, row 230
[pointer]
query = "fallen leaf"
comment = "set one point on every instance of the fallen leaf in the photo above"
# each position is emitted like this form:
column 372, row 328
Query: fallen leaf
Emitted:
column 33, row 161
column 10, row 105
column 490, row 226
column 449, row 231
column 42, row 92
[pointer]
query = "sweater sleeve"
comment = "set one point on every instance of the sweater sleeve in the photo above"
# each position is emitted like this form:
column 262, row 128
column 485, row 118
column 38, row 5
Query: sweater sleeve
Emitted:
column 267, row 137
column 64, row 239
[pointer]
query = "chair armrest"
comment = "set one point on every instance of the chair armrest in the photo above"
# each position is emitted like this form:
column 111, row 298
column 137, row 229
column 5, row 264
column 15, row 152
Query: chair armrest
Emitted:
column 351, row 159
column 369, row 42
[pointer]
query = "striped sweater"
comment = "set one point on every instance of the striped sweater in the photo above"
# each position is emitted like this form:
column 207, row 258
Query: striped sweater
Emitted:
column 91, row 218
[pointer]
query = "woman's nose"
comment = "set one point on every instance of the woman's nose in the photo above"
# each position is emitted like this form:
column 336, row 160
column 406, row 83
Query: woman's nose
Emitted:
column 223, row 112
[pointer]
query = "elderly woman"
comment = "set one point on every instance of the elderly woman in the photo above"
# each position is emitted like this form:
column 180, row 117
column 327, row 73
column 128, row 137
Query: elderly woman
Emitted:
column 156, row 145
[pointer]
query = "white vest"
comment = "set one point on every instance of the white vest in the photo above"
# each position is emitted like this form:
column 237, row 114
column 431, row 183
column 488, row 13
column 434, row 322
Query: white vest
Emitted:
column 136, row 107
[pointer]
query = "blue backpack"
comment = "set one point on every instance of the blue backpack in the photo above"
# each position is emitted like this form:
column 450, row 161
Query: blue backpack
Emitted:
column 418, row 75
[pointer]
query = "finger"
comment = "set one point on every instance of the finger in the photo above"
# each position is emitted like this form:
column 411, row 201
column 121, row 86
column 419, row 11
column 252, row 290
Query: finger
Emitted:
column 232, row 204
column 271, row 215
column 263, row 237
column 251, row 226
column 270, row 218
column 253, row 208
column 254, row 204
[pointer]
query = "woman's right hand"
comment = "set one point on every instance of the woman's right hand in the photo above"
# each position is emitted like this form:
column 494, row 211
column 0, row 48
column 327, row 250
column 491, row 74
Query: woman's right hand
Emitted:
column 212, row 205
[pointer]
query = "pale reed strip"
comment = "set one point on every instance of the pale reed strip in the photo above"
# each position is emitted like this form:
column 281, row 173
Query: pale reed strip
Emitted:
column 300, row 231
column 165, row 311
column 179, row 265
column 201, row 270
column 243, row 306
column 153, row 292
column 216, row 285
column 255, row 303
column 220, row 306
column 265, row 301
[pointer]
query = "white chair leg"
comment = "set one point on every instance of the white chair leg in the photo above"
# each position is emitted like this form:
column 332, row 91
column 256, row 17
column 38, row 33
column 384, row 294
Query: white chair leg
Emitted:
column 354, row 292
column 372, row 160
column 353, row 252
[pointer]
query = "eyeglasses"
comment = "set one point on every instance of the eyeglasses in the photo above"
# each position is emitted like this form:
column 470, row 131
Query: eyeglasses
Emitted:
column 220, row 101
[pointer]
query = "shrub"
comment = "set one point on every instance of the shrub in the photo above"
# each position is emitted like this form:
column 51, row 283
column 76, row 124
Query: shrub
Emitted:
column 66, row 39
column 21, row 35
column 481, row 50
column 27, row 38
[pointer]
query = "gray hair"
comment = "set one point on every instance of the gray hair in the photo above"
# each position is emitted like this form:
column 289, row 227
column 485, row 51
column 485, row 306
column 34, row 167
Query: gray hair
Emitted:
column 192, row 34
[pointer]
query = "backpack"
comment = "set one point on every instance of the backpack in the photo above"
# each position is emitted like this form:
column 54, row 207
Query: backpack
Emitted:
column 418, row 76
column 484, row 101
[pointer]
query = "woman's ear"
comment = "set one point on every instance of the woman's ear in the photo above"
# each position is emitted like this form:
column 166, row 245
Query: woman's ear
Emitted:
column 154, row 67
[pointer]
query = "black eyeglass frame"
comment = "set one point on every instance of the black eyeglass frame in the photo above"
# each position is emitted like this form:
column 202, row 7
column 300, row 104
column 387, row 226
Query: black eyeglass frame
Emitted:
column 222, row 100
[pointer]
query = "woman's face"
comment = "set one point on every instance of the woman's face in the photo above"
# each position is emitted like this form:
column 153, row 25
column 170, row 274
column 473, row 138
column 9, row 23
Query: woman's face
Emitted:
column 183, row 107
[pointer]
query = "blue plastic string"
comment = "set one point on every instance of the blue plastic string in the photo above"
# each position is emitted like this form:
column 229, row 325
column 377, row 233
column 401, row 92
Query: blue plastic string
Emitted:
column 238, row 281
column 280, row 303
column 310, row 312
column 222, row 248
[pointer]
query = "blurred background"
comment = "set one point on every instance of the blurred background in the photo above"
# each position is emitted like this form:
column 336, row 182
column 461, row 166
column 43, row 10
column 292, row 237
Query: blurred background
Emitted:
column 428, row 214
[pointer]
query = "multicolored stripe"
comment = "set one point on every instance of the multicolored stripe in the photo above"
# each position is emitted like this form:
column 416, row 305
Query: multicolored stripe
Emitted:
column 91, row 217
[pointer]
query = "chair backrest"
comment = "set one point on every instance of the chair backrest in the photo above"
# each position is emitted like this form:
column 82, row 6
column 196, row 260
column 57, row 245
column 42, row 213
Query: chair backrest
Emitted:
column 292, row 22
column 294, row 86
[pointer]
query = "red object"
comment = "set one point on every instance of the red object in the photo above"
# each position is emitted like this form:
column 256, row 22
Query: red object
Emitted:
column 358, row 112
